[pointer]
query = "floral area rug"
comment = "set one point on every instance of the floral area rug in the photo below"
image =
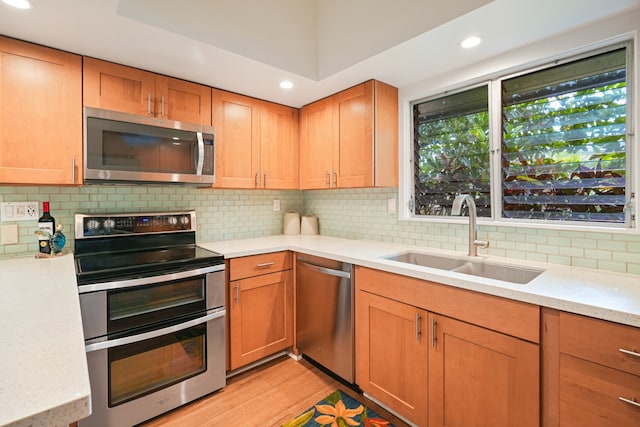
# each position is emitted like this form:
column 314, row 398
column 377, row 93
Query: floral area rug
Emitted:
column 338, row 410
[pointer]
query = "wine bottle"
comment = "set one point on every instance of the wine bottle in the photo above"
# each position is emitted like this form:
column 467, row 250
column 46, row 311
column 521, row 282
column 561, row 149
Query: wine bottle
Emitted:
column 46, row 224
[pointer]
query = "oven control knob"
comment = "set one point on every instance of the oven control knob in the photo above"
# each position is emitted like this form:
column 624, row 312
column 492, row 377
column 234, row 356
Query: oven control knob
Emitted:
column 184, row 220
column 173, row 220
column 93, row 224
column 109, row 224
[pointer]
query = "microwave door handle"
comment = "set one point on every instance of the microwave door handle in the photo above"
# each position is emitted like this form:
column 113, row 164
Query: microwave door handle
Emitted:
column 200, row 159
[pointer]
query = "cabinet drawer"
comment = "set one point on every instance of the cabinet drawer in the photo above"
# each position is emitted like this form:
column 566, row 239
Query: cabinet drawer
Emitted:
column 600, row 341
column 256, row 265
column 590, row 395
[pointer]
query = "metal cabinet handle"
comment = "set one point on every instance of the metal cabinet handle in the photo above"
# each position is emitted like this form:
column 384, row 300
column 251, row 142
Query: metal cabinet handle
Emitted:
column 434, row 326
column 149, row 103
column 629, row 352
column 631, row 401
column 327, row 178
column 257, row 184
column 335, row 178
column 73, row 170
column 324, row 270
column 264, row 183
column 162, row 109
column 418, row 331
column 155, row 333
column 237, row 293
column 265, row 265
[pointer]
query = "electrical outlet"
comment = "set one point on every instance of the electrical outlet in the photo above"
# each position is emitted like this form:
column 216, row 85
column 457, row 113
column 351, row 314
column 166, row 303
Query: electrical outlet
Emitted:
column 31, row 210
column 19, row 211
column 276, row 205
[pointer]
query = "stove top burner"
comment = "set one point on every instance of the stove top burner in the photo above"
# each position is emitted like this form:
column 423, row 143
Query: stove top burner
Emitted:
column 102, row 267
column 125, row 246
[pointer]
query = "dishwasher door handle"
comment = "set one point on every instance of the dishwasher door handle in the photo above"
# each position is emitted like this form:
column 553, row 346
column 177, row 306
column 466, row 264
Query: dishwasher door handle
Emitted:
column 325, row 270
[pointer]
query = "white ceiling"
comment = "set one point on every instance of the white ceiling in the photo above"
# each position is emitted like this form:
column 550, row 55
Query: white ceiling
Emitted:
column 322, row 46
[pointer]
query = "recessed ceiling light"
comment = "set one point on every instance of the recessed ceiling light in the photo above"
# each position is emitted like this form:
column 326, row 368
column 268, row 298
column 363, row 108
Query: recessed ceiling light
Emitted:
column 286, row 84
column 20, row 4
column 470, row 42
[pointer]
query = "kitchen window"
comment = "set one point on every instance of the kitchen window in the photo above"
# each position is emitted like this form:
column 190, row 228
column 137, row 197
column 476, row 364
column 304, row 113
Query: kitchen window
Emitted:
column 546, row 145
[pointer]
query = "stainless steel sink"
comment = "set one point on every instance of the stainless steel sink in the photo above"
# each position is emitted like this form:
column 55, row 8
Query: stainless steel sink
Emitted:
column 427, row 260
column 480, row 267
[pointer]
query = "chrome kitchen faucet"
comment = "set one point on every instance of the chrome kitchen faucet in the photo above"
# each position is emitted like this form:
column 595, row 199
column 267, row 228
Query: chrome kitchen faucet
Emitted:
column 456, row 209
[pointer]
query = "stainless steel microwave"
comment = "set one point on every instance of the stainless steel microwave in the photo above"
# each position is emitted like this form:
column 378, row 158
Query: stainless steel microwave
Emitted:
column 120, row 147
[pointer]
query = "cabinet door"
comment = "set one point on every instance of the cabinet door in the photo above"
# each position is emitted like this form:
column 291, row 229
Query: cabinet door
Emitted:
column 40, row 115
column 278, row 147
column 391, row 354
column 353, row 130
column 478, row 377
column 237, row 122
column 260, row 317
column 183, row 101
column 316, row 145
column 116, row 87
column 591, row 395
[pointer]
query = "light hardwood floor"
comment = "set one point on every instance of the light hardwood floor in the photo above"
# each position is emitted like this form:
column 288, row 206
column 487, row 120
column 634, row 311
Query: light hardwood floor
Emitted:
column 266, row 396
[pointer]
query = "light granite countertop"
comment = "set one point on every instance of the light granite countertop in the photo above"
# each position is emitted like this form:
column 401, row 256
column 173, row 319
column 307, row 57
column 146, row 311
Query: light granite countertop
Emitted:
column 44, row 380
column 601, row 294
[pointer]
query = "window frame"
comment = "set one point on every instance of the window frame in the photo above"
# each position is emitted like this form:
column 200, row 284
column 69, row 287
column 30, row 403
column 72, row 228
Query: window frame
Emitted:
column 494, row 82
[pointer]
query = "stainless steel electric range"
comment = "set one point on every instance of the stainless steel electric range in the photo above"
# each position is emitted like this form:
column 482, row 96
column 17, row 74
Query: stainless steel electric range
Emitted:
column 153, row 314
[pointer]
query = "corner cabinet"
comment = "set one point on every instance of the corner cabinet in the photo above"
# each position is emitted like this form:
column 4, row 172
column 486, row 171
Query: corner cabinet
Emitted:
column 442, row 356
column 260, row 307
column 130, row 90
column 40, row 115
column 350, row 139
column 592, row 372
column 257, row 143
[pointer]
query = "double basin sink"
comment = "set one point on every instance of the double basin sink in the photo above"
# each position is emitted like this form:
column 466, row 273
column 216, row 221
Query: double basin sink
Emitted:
column 470, row 266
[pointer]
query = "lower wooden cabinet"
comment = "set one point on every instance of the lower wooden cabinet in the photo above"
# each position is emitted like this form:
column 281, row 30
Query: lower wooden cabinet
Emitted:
column 591, row 372
column 260, row 307
column 392, row 354
column 478, row 377
column 590, row 395
column 449, row 370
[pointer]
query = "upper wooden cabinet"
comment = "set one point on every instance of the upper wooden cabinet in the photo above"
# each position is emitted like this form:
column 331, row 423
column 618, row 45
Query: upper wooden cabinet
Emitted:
column 131, row 90
column 351, row 139
column 256, row 143
column 40, row 115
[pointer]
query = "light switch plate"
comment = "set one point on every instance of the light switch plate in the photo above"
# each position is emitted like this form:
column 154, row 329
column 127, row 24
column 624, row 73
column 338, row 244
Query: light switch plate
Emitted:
column 9, row 234
column 391, row 206
column 19, row 211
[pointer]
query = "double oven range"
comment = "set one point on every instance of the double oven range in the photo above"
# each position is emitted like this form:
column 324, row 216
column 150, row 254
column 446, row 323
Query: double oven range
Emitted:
column 152, row 305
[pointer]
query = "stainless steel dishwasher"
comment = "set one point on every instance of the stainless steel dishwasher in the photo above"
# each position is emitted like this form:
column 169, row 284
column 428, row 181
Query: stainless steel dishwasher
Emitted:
column 324, row 314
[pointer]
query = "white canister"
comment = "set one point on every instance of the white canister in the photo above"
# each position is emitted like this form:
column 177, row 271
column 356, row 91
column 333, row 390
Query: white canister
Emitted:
column 309, row 225
column 292, row 222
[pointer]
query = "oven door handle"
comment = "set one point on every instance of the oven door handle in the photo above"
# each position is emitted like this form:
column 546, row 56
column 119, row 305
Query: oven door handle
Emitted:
column 150, row 280
column 155, row 333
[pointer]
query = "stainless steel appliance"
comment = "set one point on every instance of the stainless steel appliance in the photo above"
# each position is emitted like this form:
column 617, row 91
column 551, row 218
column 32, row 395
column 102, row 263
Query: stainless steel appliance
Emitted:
column 121, row 147
column 324, row 314
column 152, row 305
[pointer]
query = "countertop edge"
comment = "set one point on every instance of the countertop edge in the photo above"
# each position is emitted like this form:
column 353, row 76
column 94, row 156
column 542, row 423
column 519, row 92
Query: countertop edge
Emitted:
column 599, row 294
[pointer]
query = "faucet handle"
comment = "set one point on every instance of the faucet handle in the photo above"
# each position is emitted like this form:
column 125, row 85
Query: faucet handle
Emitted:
column 482, row 244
